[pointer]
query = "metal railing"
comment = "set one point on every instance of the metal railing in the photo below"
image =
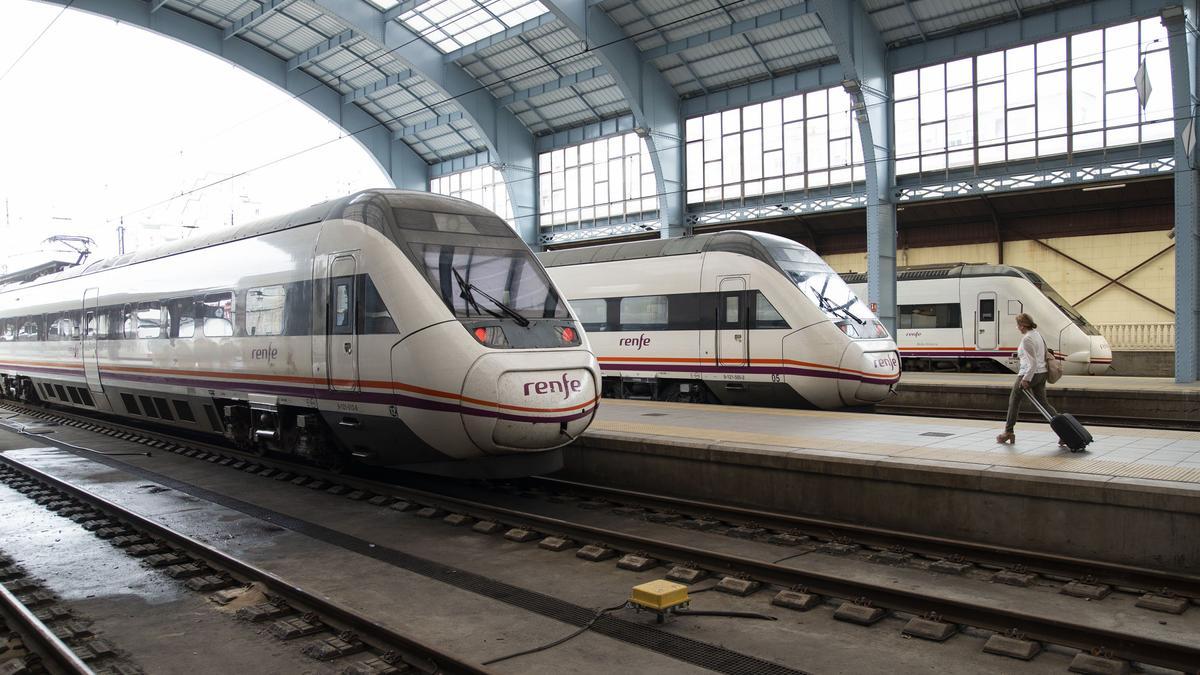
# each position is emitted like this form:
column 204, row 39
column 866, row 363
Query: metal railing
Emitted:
column 1140, row 336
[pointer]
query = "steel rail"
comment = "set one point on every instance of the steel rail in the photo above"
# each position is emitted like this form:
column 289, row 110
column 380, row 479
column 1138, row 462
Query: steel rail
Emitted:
column 1138, row 648
column 57, row 657
column 1114, row 574
column 437, row 660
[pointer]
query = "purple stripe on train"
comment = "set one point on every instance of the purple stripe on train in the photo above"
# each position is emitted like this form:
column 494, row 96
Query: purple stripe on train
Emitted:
column 757, row 370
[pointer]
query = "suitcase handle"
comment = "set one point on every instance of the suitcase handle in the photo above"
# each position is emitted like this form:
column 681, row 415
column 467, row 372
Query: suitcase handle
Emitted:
column 1036, row 403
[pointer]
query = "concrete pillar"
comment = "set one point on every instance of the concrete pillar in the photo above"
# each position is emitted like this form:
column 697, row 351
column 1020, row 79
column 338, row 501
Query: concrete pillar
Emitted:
column 1181, row 44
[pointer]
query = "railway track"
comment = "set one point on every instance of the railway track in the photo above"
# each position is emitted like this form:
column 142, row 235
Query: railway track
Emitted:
column 473, row 504
column 998, row 414
column 43, row 648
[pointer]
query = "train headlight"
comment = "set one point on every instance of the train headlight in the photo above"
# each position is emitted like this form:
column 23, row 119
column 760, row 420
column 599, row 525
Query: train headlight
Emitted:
column 490, row 336
column 880, row 331
column 567, row 334
column 844, row 326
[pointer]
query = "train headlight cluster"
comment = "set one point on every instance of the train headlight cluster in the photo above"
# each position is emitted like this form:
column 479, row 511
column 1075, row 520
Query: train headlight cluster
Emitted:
column 490, row 336
column 568, row 335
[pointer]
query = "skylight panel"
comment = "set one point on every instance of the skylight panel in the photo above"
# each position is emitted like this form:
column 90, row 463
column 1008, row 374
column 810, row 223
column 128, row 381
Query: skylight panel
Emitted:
column 452, row 24
column 385, row 4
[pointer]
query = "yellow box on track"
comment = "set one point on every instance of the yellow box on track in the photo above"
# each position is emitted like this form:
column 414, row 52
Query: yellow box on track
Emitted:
column 659, row 595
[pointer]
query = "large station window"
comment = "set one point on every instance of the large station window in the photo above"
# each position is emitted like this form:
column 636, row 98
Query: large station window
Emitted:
column 1068, row 94
column 483, row 185
column 610, row 178
column 802, row 142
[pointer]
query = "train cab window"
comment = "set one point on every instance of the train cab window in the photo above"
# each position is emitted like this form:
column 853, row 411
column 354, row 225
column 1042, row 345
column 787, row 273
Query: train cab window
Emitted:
column 643, row 312
column 765, row 314
column 216, row 314
column 940, row 315
column 265, row 310
column 1014, row 307
column 343, row 306
column 375, row 318
column 593, row 313
column 181, row 317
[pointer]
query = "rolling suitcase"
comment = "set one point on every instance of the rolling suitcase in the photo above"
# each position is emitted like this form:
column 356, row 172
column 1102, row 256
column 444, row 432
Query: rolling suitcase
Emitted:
column 1069, row 430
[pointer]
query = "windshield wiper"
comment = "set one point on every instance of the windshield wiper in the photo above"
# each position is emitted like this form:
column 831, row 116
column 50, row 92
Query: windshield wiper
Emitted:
column 845, row 309
column 468, row 294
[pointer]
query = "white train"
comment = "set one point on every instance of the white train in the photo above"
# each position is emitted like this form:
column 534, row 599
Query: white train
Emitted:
column 731, row 317
column 399, row 328
column 961, row 316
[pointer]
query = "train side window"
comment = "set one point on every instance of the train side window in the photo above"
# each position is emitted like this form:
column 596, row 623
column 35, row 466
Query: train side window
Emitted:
column 9, row 332
column 645, row 312
column 181, row 317
column 52, row 327
column 987, row 309
column 31, row 329
column 216, row 314
column 149, row 320
column 89, row 325
column 375, row 318
column 1014, row 307
column 343, row 306
column 592, row 313
column 940, row 315
column 731, row 308
column 683, row 311
column 765, row 314
column 265, row 310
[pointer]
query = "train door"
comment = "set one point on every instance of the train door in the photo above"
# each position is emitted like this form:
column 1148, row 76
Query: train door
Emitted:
column 342, row 334
column 733, row 340
column 986, row 334
column 91, row 364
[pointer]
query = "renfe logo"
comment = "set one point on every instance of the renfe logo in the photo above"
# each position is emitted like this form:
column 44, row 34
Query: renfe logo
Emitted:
column 267, row 353
column 566, row 386
column 639, row 342
column 888, row 362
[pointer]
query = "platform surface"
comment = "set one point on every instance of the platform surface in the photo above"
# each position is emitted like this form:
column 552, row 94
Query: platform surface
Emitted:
column 1160, row 385
column 1147, row 454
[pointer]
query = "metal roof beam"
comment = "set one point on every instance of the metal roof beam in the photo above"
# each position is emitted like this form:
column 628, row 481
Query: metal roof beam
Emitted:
column 554, row 85
column 506, row 34
column 653, row 101
column 401, row 8
column 337, row 41
column 439, row 121
column 732, row 30
column 256, row 17
column 863, row 58
column 157, row 5
column 362, row 93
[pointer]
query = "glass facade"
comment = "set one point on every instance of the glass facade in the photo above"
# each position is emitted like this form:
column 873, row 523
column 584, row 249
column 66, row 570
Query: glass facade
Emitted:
column 1065, row 95
column 789, row 145
column 603, row 180
column 482, row 185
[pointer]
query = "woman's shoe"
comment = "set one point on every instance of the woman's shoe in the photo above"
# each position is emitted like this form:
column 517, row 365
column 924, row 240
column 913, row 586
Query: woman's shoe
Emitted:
column 1006, row 437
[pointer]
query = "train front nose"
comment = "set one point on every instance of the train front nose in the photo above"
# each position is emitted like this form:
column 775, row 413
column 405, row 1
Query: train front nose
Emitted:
column 1101, row 356
column 519, row 401
column 868, row 371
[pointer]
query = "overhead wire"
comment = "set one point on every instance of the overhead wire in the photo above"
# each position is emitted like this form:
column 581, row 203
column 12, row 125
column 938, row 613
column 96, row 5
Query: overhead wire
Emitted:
column 37, row 39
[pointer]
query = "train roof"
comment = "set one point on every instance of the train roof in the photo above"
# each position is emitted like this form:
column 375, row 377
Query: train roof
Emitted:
column 944, row 271
column 753, row 244
column 328, row 210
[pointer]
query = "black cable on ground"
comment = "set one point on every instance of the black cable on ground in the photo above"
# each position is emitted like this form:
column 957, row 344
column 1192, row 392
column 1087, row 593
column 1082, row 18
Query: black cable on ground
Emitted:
column 721, row 612
column 583, row 629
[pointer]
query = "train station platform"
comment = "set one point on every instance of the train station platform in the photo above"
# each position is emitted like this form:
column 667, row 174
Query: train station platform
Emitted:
column 1132, row 498
column 1134, row 401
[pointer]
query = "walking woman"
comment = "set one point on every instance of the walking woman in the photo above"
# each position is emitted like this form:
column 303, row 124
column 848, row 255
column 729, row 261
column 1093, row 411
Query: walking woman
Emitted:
column 1032, row 375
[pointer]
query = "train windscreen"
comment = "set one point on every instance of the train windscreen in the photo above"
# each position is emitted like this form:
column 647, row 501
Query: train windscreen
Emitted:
column 1061, row 303
column 479, row 282
column 827, row 291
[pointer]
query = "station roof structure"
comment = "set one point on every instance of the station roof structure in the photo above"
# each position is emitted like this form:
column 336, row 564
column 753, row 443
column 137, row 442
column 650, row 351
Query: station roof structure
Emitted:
column 530, row 61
